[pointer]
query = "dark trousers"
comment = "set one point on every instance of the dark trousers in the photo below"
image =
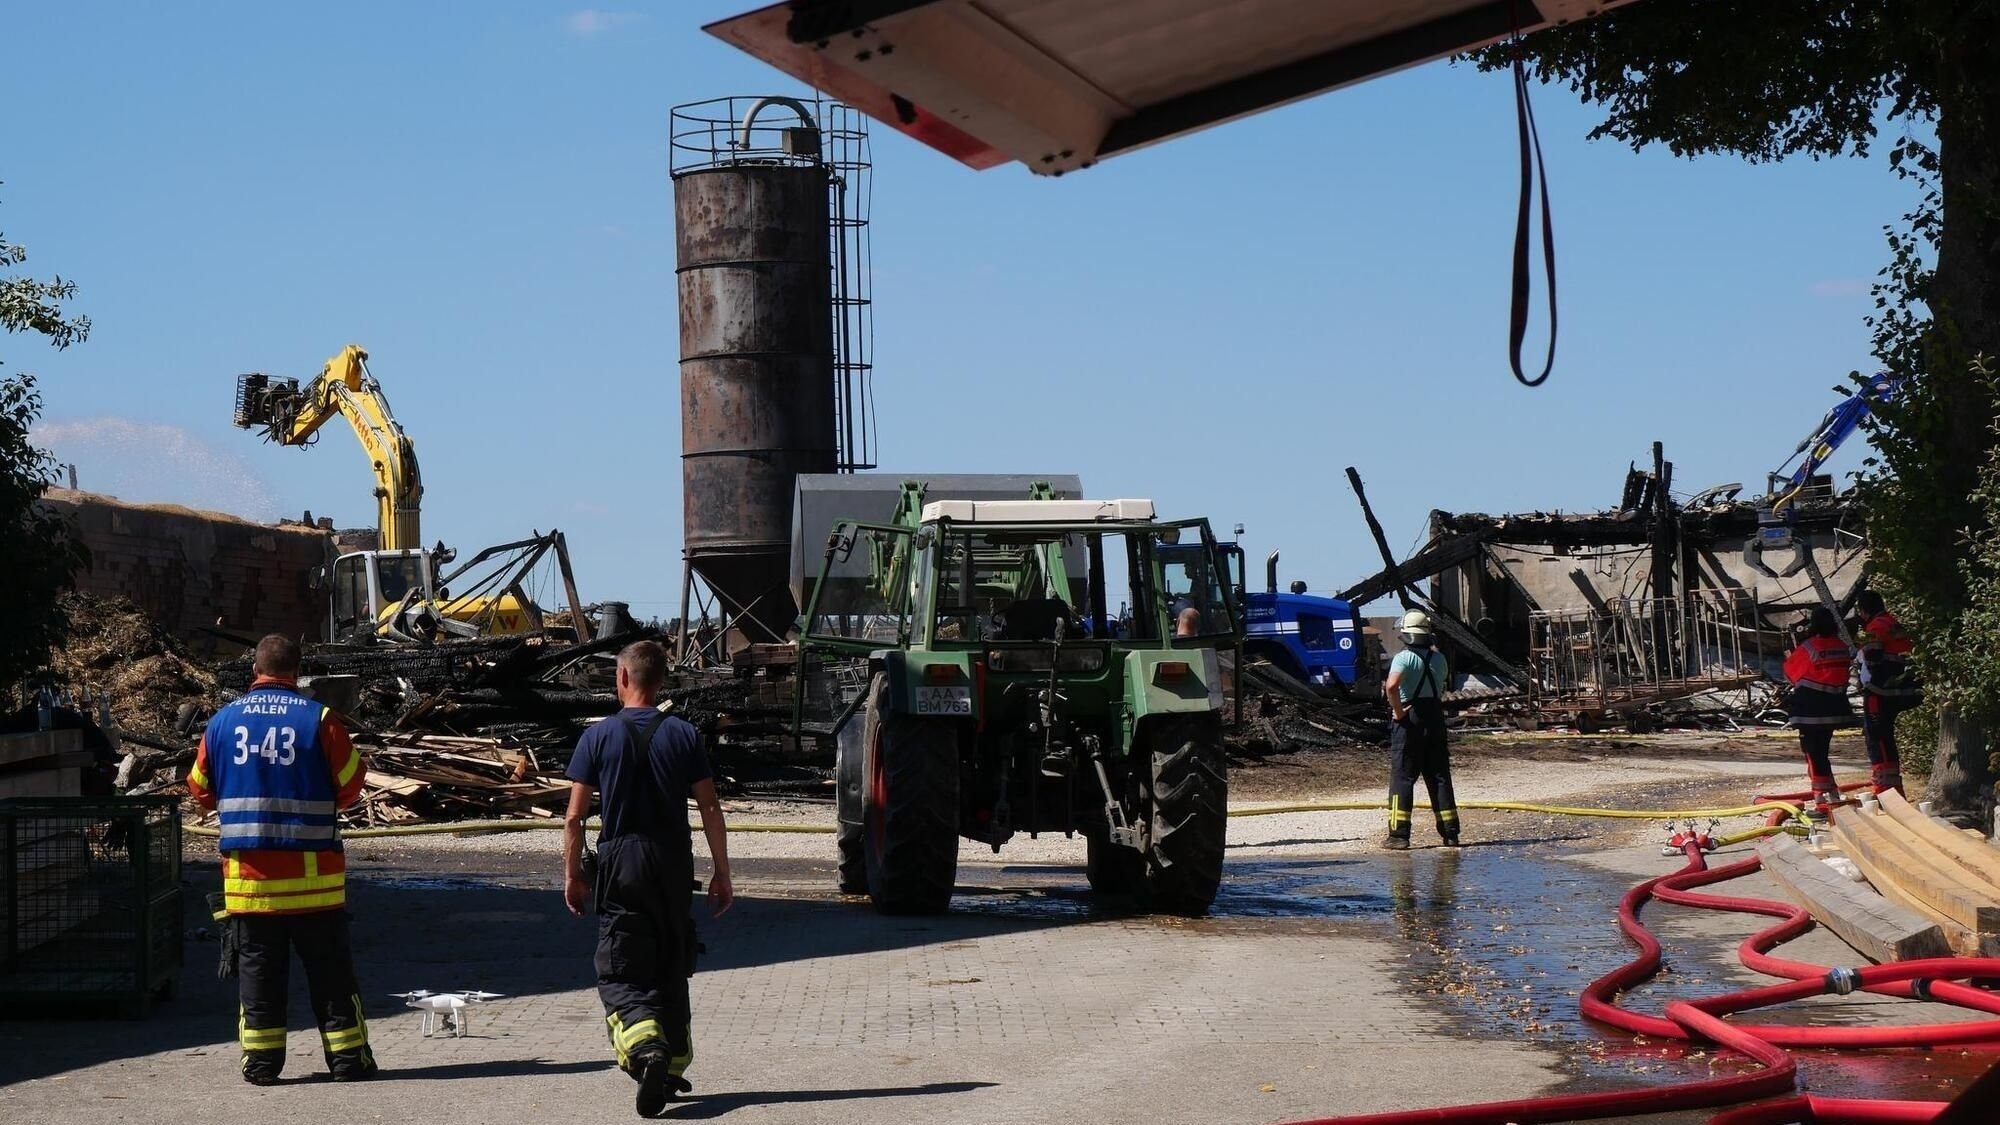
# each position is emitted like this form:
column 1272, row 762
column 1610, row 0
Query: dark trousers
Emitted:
column 1816, row 739
column 1878, row 727
column 1417, row 748
column 265, row 943
column 645, row 950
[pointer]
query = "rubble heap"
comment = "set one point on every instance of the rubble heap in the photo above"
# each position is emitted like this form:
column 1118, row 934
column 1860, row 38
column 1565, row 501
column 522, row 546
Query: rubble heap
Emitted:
column 117, row 653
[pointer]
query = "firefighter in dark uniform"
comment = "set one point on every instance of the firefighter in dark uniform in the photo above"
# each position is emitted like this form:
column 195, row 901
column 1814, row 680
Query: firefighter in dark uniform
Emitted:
column 1889, row 686
column 644, row 766
column 276, row 766
column 1418, row 677
column 1818, row 670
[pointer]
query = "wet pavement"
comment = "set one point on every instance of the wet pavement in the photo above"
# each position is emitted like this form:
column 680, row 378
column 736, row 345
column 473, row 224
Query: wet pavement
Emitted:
column 1323, row 982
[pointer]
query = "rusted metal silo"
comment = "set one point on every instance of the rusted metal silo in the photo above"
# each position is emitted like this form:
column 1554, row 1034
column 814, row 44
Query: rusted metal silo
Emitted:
column 757, row 353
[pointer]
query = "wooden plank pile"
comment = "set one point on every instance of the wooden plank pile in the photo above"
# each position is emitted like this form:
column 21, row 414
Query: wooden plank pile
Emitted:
column 421, row 777
column 1947, row 876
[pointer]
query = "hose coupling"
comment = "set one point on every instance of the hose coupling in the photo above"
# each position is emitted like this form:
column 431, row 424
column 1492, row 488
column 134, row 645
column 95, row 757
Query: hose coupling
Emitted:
column 1840, row 982
column 1920, row 988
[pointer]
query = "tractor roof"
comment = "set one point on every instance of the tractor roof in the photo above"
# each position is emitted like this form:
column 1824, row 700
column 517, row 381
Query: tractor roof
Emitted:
column 1057, row 84
column 1039, row 511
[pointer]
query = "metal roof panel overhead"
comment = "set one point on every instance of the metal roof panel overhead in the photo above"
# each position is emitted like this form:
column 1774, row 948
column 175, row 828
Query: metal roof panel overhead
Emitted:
column 1060, row 84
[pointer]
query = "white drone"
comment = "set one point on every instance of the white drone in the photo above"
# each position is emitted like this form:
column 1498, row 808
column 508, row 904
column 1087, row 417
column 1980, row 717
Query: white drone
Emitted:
column 450, row 1005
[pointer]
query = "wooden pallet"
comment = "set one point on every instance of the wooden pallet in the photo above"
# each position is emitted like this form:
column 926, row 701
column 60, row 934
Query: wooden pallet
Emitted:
column 1878, row 929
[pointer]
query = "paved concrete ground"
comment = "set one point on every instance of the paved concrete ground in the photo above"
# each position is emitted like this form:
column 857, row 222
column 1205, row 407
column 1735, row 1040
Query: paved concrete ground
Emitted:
column 1332, row 979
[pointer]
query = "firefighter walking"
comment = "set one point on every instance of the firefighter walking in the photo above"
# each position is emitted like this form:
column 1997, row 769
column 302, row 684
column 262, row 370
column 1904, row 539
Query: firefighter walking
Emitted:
column 644, row 767
column 277, row 766
column 1417, row 744
column 1889, row 687
column 1818, row 670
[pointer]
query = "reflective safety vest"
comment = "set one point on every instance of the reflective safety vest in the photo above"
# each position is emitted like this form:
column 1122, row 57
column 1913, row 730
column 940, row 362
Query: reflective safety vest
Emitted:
column 1884, row 635
column 274, row 789
column 1820, row 664
column 1818, row 669
column 1885, row 656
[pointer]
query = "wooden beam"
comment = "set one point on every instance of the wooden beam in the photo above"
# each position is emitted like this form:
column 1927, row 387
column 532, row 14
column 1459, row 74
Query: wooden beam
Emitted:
column 1901, row 877
column 1435, row 558
column 1877, row 928
column 1401, row 589
column 1922, row 857
column 1963, row 942
column 1973, row 856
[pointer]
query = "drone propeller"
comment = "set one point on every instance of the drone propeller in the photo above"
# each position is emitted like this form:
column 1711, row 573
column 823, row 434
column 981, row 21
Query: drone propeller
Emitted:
column 478, row 997
column 418, row 994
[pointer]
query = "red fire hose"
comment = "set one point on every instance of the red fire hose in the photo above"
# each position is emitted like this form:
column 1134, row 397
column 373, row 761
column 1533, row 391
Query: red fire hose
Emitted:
column 1763, row 1044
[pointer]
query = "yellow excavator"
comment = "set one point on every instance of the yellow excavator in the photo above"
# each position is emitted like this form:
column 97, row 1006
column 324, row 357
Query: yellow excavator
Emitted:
column 396, row 591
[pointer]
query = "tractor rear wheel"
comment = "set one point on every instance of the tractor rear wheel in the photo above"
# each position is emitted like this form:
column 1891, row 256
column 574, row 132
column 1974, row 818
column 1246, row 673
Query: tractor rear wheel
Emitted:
column 850, row 778
column 909, row 809
column 1188, row 801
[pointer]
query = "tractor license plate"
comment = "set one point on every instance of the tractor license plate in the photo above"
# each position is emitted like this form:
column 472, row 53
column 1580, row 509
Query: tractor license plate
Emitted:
column 944, row 701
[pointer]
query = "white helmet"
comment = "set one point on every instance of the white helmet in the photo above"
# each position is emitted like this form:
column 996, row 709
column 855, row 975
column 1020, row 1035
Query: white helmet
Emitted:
column 1415, row 628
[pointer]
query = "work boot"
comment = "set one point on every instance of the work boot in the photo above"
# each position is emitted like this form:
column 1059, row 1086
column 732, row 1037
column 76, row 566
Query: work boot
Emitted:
column 1887, row 781
column 261, row 1068
column 656, row 1083
column 1396, row 843
column 1450, row 841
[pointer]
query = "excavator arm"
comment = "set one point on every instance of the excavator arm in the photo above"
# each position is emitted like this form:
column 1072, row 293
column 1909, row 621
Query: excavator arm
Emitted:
column 292, row 415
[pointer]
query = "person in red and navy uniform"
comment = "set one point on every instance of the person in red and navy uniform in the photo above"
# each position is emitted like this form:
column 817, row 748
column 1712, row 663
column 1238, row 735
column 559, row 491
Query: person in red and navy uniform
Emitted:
column 277, row 767
column 1818, row 670
column 1889, row 686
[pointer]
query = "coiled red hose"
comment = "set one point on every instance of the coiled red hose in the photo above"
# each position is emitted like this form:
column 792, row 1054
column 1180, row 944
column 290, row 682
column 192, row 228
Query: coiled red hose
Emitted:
column 1760, row 1043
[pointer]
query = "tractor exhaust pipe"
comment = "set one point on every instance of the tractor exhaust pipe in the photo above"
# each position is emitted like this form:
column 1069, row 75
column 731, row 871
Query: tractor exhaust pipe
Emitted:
column 1271, row 573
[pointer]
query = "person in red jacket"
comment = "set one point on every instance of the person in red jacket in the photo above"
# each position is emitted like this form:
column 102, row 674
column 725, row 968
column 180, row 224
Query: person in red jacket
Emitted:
column 277, row 767
column 1818, row 670
column 1889, row 686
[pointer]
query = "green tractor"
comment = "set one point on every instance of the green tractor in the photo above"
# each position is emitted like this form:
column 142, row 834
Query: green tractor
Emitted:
column 992, row 692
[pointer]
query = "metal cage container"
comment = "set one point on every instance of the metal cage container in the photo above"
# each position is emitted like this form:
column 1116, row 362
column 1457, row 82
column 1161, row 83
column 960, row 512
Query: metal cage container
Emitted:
column 91, row 894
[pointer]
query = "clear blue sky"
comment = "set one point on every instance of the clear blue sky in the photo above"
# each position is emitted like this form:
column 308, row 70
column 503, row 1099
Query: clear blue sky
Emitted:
column 477, row 193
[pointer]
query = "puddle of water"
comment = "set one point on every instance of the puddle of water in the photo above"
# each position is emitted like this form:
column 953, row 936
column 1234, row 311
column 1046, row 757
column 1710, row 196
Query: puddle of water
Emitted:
column 433, row 882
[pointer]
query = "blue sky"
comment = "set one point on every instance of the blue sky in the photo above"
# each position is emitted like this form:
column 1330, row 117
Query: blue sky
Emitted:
column 478, row 195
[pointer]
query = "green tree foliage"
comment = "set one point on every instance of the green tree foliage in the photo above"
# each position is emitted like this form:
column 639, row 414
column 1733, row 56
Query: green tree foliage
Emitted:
column 38, row 555
column 1770, row 79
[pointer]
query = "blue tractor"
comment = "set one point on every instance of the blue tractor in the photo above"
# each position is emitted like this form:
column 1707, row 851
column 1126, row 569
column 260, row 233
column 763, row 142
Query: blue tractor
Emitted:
column 1321, row 642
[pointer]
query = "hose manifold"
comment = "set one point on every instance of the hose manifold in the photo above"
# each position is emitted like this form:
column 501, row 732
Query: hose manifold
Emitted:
column 1840, row 982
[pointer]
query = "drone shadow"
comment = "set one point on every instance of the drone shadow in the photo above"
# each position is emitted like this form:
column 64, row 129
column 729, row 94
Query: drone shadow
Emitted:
column 493, row 1068
column 697, row 1107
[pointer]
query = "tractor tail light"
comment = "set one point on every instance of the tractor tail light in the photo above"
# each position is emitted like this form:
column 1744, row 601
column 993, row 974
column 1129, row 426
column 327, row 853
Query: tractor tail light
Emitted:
column 940, row 673
column 1171, row 671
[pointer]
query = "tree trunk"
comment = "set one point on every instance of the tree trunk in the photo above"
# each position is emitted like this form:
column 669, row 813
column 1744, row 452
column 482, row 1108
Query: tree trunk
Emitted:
column 1965, row 304
column 1961, row 786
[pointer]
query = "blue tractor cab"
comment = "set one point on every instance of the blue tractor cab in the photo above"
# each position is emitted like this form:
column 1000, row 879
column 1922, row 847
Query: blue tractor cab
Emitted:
column 1318, row 641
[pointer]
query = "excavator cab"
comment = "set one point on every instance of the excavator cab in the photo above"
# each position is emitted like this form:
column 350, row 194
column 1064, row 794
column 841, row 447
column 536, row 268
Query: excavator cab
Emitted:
column 368, row 584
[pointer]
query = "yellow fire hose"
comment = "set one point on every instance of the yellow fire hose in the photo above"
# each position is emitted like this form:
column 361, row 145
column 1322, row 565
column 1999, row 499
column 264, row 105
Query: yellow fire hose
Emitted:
column 472, row 826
